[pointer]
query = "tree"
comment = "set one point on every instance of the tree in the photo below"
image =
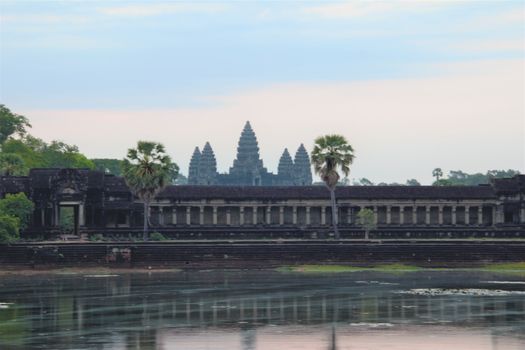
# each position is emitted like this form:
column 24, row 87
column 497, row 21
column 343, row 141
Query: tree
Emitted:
column 17, row 206
column 109, row 166
column 11, row 164
column 413, row 182
column 437, row 173
column 366, row 219
column 11, row 123
column 147, row 170
column 330, row 153
column 9, row 228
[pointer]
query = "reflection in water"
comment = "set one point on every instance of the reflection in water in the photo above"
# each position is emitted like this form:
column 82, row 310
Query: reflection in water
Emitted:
column 260, row 310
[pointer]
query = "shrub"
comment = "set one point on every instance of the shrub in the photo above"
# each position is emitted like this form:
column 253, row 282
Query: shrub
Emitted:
column 9, row 227
column 157, row 236
column 96, row 237
column 18, row 206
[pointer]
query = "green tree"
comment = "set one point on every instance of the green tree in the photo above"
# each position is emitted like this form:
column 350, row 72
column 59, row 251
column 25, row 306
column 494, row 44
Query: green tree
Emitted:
column 437, row 173
column 366, row 219
column 9, row 228
column 413, row 182
column 331, row 153
column 11, row 123
column 11, row 164
column 147, row 169
column 17, row 206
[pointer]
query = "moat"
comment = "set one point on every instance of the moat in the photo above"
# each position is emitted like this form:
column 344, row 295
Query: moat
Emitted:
column 262, row 309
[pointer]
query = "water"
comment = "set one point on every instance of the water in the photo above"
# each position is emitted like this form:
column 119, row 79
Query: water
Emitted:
column 263, row 310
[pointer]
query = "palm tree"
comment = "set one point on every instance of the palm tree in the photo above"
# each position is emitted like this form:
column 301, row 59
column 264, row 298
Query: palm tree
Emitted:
column 11, row 164
column 147, row 170
column 330, row 153
column 437, row 173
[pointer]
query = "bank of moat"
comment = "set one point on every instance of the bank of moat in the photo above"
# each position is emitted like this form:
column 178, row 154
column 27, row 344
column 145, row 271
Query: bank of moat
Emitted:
column 103, row 202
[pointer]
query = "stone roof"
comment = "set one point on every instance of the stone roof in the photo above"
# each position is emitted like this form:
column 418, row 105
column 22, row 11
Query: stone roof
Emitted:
column 320, row 192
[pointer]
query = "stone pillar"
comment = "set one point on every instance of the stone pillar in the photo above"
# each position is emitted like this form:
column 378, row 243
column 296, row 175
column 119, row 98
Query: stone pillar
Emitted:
column 188, row 215
column 480, row 215
column 427, row 215
column 254, row 215
column 454, row 217
column 440, row 215
column 323, row 215
column 494, row 214
column 43, row 216
column 414, row 214
column 228, row 216
column 281, row 216
column 467, row 215
column 241, row 215
column 268, row 215
column 308, row 221
column 81, row 216
column 388, row 214
column 201, row 215
column 522, row 215
column 160, row 216
column 349, row 215
column 56, row 217
column 376, row 218
column 294, row 215
column 174, row 215
column 215, row 215
column 401, row 214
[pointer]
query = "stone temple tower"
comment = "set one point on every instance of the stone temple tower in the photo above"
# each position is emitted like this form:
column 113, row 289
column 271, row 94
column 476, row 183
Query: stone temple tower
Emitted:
column 302, row 167
column 207, row 174
column 248, row 168
column 193, row 174
column 286, row 169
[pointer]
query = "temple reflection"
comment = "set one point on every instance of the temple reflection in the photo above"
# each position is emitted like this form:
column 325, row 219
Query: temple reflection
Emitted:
column 144, row 312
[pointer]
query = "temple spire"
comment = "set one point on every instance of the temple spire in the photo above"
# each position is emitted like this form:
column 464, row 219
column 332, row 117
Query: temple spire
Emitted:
column 207, row 166
column 248, row 160
column 286, row 165
column 193, row 172
column 302, row 167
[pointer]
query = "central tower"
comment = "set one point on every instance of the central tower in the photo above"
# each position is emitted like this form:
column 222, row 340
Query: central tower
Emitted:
column 248, row 166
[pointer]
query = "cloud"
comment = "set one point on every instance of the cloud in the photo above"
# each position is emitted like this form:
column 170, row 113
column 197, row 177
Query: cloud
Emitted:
column 155, row 9
column 490, row 46
column 358, row 9
column 469, row 119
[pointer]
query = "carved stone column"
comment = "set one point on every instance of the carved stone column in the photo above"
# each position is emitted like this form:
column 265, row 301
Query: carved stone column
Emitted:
column 427, row 215
column 467, row 215
column 414, row 214
column 81, row 216
column 201, row 215
column 160, row 216
column 401, row 214
column 188, row 215
column 323, row 215
column 376, row 217
column 308, row 219
column 480, row 215
column 388, row 214
column 440, row 215
column 228, row 216
column 349, row 215
column 268, row 215
column 454, row 217
column 281, row 216
column 294, row 215
column 174, row 215
column 215, row 209
column 241, row 215
column 254, row 215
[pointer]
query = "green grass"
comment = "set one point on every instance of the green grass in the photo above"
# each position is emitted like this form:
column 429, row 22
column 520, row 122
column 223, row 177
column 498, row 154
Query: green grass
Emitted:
column 347, row 268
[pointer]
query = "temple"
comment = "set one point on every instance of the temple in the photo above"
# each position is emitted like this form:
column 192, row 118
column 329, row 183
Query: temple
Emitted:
column 248, row 168
column 103, row 203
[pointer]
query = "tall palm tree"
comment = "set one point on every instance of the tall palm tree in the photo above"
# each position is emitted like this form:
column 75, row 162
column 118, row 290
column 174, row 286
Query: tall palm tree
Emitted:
column 11, row 164
column 437, row 173
column 330, row 153
column 147, row 170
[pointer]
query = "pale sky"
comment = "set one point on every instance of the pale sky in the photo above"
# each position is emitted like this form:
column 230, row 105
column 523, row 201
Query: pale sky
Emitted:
column 413, row 85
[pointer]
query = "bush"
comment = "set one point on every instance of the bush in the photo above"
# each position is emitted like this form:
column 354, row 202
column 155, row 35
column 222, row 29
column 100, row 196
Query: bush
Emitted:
column 96, row 237
column 157, row 236
column 17, row 206
column 9, row 227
